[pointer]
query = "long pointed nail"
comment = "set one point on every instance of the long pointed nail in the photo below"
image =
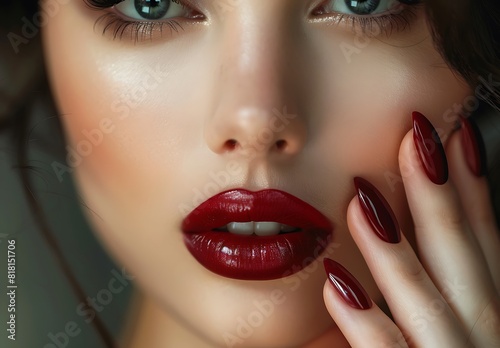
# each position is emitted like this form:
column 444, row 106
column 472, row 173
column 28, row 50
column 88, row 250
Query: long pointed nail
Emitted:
column 346, row 285
column 430, row 149
column 378, row 211
column 473, row 147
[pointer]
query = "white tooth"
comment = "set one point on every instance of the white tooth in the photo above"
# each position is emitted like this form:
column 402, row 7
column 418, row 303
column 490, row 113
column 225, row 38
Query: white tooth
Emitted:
column 243, row 228
column 286, row 228
column 267, row 228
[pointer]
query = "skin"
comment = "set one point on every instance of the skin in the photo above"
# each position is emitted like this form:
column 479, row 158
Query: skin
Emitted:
column 219, row 80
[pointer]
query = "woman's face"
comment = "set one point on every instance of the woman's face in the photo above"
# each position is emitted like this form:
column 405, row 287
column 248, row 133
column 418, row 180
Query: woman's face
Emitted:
column 284, row 94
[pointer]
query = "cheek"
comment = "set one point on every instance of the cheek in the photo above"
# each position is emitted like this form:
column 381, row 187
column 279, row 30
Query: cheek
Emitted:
column 112, row 104
column 368, row 100
column 132, row 129
column 366, row 104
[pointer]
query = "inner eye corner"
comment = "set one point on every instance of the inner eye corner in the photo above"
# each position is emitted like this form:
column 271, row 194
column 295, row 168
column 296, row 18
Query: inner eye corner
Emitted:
column 193, row 13
column 318, row 10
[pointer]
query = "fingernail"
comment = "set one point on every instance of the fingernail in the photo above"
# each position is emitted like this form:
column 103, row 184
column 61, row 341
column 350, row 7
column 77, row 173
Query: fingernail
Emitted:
column 473, row 147
column 430, row 149
column 346, row 285
column 378, row 211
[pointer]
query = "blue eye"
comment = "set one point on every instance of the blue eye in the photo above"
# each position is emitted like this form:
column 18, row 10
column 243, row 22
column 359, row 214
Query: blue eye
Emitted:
column 362, row 7
column 151, row 9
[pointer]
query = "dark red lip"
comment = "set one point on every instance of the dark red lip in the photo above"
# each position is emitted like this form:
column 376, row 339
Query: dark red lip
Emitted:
column 255, row 257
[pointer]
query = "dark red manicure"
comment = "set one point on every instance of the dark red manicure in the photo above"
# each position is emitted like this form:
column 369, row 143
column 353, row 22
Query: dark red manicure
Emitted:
column 473, row 147
column 378, row 211
column 430, row 149
column 346, row 285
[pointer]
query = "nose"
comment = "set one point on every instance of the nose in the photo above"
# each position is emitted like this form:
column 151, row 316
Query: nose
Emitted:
column 255, row 106
column 260, row 129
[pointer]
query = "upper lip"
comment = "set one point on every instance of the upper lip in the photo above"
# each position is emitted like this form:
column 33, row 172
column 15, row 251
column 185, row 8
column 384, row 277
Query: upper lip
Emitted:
column 240, row 205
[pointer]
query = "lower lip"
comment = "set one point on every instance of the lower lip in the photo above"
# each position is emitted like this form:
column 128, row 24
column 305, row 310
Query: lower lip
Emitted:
column 257, row 257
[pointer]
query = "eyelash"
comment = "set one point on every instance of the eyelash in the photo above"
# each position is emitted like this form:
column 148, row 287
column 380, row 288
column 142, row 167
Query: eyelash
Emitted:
column 140, row 30
column 387, row 23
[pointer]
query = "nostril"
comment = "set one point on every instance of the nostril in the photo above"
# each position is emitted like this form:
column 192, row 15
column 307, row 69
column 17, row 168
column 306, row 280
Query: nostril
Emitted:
column 230, row 144
column 233, row 144
column 281, row 144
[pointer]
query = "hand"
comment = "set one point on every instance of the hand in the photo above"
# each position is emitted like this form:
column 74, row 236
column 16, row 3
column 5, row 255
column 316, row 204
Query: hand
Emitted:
column 447, row 295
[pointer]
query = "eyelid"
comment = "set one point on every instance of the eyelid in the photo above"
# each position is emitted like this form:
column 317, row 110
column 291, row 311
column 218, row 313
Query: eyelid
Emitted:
column 107, row 4
column 386, row 22
column 118, row 24
column 343, row 4
column 101, row 4
column 396, row 7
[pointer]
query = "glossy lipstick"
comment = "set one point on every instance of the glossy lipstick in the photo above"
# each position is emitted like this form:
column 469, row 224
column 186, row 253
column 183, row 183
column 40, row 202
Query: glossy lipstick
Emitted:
column 253, row 257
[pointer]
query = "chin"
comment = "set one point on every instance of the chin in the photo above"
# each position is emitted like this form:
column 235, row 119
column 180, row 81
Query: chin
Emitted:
column 287, row 312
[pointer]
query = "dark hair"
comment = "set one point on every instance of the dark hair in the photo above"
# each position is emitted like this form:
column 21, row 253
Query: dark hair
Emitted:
column 16, row 108
column 466, row 33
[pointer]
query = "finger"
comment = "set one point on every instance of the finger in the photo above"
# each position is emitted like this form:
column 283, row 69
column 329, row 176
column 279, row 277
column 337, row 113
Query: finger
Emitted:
column 475, row 197
column 418, row 308
column 361, row 321
column 447, row 248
